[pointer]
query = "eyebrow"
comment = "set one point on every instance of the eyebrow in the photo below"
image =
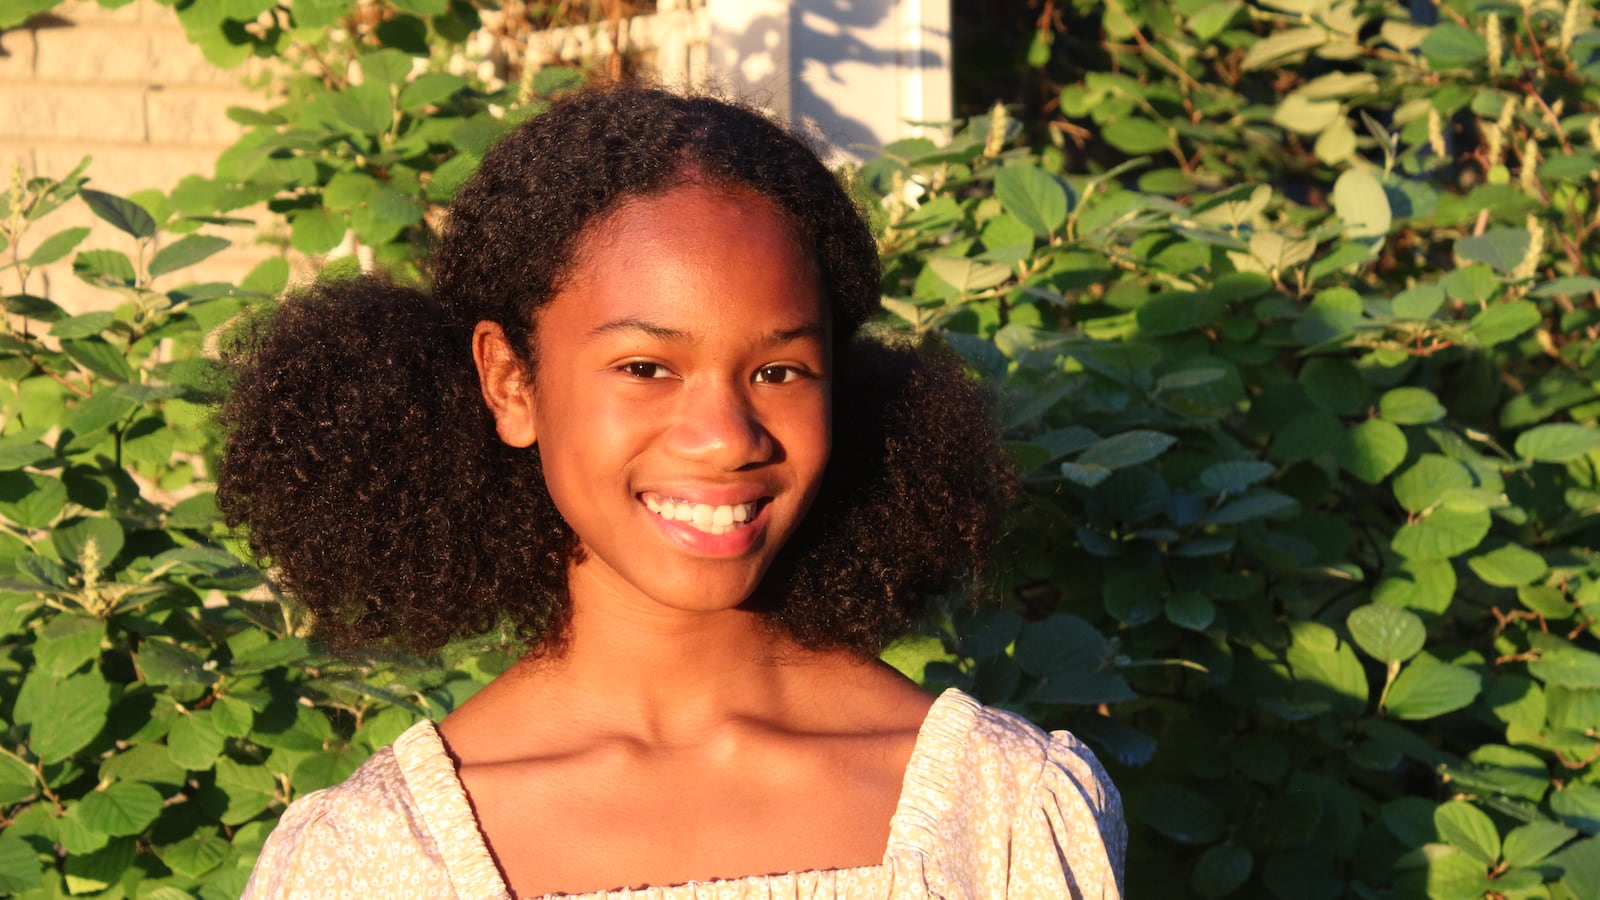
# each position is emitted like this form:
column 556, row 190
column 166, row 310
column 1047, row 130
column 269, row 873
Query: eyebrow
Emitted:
column 810, row 330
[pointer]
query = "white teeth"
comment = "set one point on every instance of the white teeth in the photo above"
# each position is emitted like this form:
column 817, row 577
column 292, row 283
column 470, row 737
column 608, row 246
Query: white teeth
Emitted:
column 703, row 516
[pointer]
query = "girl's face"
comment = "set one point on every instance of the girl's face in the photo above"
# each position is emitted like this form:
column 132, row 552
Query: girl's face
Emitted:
column 681, row 397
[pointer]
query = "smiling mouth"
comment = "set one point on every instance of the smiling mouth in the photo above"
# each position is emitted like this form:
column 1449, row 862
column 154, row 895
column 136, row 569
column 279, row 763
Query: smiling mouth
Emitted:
column 703, row 516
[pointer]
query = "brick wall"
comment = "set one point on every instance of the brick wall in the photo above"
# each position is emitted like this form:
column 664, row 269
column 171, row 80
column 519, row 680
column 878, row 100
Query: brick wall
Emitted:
column 126, row 87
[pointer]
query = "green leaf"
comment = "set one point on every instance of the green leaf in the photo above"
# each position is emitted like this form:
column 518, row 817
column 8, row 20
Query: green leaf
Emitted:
column 1333, row 384
column 269, row 277
column 19, row 864
column 316, row 231
column 1469, row 829
column 388, row 65
column 1130, row 448
column 1233, row 476
column 1502, row 249
column 194, row 742
column 364, row 108
column 1411, row 406
column 270, row 655
column 197, row 854
column 1442, row 534
column 11, row 15
column 1569, row 286
column 1035, row 197
column 124, row 214
column 1529, row 844
column 106, row 268
column 966, row 275
column 1510, row 566
column 73, row 710
column 106, row 407
column 1137, row 136
column 186, row 252
column 17, row 781
column 1503, row 322
column 1472, row 284
column 1419, row 302
column 1570, row 667
column 318, row 13
column 1181, row 814
column 67, row 642
column 430, row 89
column 99, row 870
column 16, row 453
column 1059, row 644
column 124, row 808
column 1559, row 442
column 1301, row 114
column 160, row 661
column 1545, row 600
column 1372, row 450
column 1427, row 688
column 1452, row 46
column 97, row 540
column 910, row 655
column 1577, row 805
column 250, row 790
column 347, row 190
column 1387, row 633
column 31, row 307
column 1252, row 506
column 57, row 246
column 100, row 358
column 1221, row 871
column 1282, row 44
column 84, row 325
column 1429, row 481
column 1177, row 311
column 234, row 717
column 1327, row 669
column 31, row 500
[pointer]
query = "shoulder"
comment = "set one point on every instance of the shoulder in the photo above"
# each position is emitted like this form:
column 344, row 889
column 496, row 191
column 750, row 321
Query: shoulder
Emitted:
column 355, row 837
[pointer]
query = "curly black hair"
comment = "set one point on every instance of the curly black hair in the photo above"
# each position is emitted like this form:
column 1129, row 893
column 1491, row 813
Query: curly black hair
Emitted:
column 365, row 465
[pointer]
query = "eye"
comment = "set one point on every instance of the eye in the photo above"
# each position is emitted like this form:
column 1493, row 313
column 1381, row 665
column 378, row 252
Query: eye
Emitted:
column 777, row 374
column 645, row 369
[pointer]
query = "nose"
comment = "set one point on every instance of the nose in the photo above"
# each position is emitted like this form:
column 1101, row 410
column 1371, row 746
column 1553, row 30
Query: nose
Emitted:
column 720, row 427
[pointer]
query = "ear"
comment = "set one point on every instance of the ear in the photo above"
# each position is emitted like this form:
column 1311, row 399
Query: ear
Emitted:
column 507, row 388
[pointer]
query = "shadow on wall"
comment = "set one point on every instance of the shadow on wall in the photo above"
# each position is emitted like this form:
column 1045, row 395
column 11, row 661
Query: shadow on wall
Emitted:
column 830, row 42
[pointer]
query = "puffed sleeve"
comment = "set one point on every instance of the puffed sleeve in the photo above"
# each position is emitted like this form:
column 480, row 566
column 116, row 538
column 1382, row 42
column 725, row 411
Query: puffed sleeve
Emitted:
column 1070, row 835
column 360, row 839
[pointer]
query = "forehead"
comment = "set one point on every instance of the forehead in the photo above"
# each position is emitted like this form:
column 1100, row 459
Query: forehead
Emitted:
column 695, row 253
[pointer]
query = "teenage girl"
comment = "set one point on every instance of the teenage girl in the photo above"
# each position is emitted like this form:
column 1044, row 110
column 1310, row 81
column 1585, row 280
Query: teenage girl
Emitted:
column 635, row 420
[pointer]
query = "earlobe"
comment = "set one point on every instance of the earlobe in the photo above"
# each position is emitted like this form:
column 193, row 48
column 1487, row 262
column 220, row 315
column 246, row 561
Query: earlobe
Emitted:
column 506, row 389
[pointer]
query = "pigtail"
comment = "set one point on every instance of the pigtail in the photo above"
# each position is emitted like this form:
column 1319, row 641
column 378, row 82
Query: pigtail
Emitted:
column 364, row 465
column 911, row 507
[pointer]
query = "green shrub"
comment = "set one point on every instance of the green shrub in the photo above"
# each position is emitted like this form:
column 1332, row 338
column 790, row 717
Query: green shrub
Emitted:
column 1305, row 395
column 1298, row 356
column 160, row 704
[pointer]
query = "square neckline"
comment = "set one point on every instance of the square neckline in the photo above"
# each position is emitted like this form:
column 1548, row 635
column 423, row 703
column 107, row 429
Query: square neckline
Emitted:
column 435, row 786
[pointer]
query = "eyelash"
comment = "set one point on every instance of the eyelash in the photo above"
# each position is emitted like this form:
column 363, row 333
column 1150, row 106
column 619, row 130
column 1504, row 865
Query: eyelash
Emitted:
column 648, row 371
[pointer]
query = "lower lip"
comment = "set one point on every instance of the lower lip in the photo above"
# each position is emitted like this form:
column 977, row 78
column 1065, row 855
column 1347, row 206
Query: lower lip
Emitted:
column 734, row 543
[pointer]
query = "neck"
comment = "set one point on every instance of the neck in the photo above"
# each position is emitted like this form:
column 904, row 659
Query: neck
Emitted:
column 664, row 675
